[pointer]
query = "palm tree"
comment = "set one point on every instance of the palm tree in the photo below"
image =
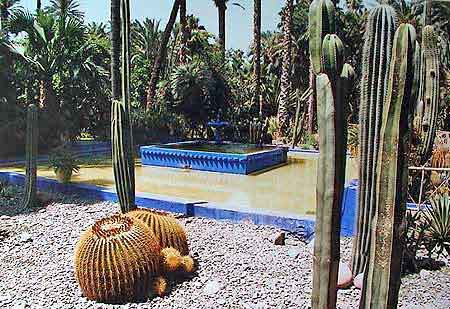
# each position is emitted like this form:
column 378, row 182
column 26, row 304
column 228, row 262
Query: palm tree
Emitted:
column 6, row 6
column 283, row 116
column 146, row 37
column 184, row 34
column 151, row 94
column 38, row 5
column 257, row 46
column 221, row 10
column 115, row 49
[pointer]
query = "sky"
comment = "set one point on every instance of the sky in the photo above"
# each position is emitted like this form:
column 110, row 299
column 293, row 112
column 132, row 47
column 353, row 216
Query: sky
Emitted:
column 238, row 21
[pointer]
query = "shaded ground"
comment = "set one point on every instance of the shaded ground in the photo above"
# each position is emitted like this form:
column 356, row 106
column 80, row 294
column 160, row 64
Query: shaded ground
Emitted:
column 240, row 267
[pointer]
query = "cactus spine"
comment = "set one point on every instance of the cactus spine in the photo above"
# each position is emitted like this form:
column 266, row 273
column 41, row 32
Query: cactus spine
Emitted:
column 429, row 92
column 331, row 110
column 382, row 277
column 30, row 198
column 121, row 133
column 377, row 50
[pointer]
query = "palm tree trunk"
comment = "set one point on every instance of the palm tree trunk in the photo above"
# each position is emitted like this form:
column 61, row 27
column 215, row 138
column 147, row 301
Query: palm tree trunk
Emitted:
column 184, row 34
column 38, row 5
column 283, row 116
column 115, row 49
column 427, row 12
column 151, row 94
column 221, row 10
column 257, row 56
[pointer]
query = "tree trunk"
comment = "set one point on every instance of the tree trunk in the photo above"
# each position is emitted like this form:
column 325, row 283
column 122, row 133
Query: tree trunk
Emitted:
column 283, row 116
column 151, row 94
column 115, row 49
column 257, row 55
column 39, row 5
column 221, row 10
column 427, row 12
column 184, row 34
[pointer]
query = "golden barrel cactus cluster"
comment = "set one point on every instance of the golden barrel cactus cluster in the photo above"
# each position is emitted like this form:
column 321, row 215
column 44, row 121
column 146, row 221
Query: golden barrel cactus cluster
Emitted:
column 116, row 260
column 123, row 258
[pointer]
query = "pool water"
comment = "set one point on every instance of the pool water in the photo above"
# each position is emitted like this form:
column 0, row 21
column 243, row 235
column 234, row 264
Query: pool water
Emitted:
column 287, row 190
column 220, row 148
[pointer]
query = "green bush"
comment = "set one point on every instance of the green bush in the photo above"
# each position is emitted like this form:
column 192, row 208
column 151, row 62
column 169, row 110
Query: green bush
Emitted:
column 154, row 126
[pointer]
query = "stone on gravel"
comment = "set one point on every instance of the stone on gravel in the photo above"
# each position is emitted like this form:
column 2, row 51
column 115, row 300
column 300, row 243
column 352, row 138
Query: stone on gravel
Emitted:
column 25, row 237
column 358, row 281
column 212, row 287
column 425, row 274
column 280, row 239
column 344, row 277
column 294, row 252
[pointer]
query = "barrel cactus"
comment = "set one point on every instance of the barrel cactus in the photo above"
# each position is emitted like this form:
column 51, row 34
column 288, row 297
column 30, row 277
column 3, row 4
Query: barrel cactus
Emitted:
column 382, row 277
column 331, row 111
column 380, row 29
column 118, row 260
column 428, row 101
column 171, row 238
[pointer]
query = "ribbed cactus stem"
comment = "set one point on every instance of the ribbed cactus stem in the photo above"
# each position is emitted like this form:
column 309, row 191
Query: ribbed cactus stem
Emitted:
column 331, row 112
column 380, row 29
column 121, row 132
column 333, row 59
column 429, row 92
column 321, row 22
column 382, row 278
column 30, row 197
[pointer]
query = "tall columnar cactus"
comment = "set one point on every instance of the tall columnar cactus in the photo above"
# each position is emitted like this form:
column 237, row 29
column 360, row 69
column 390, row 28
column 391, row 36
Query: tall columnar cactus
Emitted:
column 30, row 198
column 429, row 92
column 331, row 111
column 321, row 22
column 121, row 132
column 382, row 277
column 377, row 49
column 117, row 260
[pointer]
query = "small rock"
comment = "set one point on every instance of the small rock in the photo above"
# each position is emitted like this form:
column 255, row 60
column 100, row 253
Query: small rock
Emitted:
column 294, row 252
column 280, row 239
column 211, row 287
column 221, row 301
column 358, row 281
column 5, row 217
column 25, row 237
column 345, row 276
column 425, row 274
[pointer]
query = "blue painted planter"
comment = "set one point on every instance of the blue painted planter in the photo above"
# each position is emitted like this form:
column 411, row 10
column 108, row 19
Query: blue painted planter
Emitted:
column 212, row 161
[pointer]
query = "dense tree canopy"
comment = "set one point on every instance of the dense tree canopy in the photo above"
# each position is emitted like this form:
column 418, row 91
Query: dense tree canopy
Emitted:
column 52, row 57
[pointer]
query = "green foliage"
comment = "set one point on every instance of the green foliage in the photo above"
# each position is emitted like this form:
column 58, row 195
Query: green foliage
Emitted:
column 63, row 159
column 437, row 219
column 158, row 125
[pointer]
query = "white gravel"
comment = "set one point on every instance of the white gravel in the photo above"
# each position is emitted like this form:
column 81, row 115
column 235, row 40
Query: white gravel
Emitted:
column 239, row 266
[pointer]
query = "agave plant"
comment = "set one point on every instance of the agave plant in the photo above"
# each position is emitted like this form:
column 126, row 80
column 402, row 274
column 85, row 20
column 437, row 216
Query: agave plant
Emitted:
column 437, row 218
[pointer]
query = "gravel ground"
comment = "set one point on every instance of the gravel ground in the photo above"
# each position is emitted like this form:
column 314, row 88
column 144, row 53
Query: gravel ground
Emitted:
column 239, row 266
